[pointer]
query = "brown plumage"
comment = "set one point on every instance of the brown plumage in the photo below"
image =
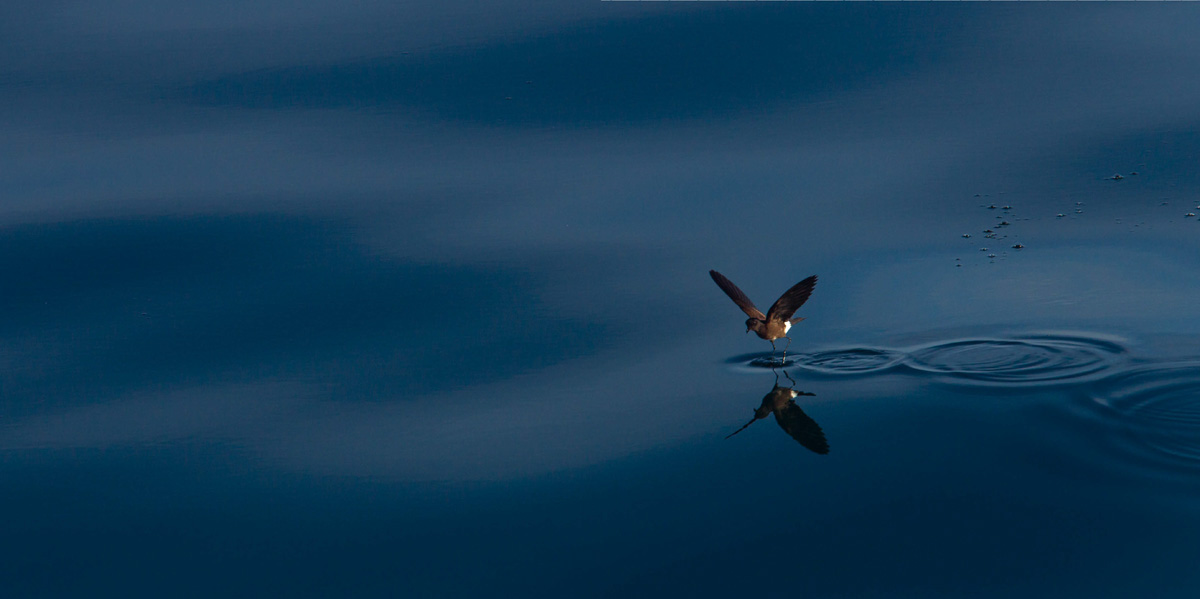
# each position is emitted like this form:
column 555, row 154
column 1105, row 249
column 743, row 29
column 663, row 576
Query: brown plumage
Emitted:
column 776, row 322
column 798, row 425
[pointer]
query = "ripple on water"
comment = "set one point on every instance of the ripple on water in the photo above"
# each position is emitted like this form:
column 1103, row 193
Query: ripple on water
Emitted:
column 762, row 360
column 1160, row 406
column 1023, row 361
column 1035, row 360
column 851, row 361
column 835, row 362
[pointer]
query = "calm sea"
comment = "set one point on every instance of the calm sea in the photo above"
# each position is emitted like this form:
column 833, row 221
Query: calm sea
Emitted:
column 328, row 300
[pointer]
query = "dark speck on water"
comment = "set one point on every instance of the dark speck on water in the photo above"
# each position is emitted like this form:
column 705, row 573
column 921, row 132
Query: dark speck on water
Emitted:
column 325, row 301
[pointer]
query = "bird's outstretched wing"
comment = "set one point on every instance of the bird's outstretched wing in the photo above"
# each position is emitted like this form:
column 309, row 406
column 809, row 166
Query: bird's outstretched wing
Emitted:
column 738, row 297
column 800, row 427
column 792, row 299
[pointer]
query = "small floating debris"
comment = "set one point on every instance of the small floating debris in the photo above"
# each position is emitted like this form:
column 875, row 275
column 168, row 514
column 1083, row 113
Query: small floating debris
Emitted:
column 1060, row 215
column 1004, row 223
column 966, row 235
column 1133, row 174
column 1189, row 214
column 1008, row 208
column 983, row 249
column 992, row 207
column 1116, row 177
column 1078, row 211
column 991, row 255
column 987, row 231
column 1163, row 204
column 1018, row 247
column 1078, row 203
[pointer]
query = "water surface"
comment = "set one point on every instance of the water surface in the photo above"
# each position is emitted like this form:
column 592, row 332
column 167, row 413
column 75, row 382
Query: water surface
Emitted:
column 373, row 301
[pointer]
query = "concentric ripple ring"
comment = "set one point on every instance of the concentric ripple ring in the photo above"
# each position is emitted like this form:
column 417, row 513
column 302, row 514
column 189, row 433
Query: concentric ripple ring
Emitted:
column 1160, row 406
column 853, row 361
column 850, row 361
column 1035, row 360
column 1030, row 360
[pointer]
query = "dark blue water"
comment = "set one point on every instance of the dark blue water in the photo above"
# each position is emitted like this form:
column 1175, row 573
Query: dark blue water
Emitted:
column 326, row 300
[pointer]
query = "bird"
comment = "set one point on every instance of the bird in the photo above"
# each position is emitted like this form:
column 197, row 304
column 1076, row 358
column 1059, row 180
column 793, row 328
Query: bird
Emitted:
column 778, row 320
column 798, row 425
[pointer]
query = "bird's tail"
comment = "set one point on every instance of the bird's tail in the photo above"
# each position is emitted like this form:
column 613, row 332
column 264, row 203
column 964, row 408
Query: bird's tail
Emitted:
column 752, row 420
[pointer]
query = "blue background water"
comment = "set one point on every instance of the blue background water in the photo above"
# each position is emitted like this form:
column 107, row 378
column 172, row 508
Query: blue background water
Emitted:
column 315, row 300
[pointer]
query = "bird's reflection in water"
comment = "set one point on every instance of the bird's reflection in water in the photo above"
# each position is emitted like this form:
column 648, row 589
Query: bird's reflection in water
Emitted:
column 781, row 402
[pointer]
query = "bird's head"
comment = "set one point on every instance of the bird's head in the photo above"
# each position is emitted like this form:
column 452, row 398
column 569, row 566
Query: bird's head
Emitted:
column 753, row 324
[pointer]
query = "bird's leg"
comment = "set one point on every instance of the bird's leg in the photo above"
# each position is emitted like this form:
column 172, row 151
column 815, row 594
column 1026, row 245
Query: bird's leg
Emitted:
column 773, row 350
column 785, row 348
column 789, row 377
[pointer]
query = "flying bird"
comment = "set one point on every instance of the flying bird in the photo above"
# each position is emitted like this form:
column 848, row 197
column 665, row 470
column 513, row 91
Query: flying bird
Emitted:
column 778, row 320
